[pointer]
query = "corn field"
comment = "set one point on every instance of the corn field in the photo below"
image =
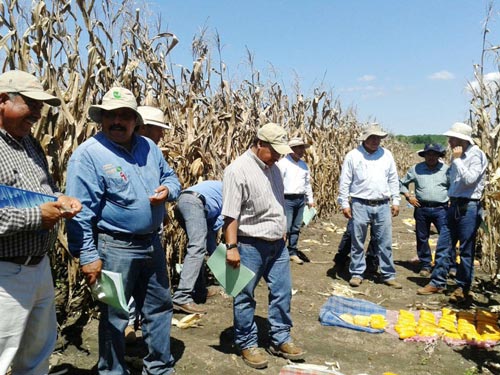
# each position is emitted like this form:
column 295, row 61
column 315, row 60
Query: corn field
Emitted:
column 79, row 49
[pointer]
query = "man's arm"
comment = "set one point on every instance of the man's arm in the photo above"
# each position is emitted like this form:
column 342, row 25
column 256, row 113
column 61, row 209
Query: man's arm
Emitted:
column 231, row 237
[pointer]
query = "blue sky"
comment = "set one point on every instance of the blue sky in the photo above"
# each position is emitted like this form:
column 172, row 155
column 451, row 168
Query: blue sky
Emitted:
column 404, row 63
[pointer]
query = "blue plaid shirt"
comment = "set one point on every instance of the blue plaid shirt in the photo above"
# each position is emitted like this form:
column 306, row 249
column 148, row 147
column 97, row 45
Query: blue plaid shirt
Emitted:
column 24, row 166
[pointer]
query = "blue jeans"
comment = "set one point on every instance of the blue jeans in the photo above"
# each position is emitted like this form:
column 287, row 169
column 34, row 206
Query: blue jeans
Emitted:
column 200, row 238
column 271, row 261
column 294, row 210
column 464, row 219
column 424, row 217
column 379, row 219
column 143, row 268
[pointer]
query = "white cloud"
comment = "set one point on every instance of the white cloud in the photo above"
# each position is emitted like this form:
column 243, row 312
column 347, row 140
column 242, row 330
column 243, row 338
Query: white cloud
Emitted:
column 491, row 82
column 442, row 75
column 367, row 78
column 367, row 91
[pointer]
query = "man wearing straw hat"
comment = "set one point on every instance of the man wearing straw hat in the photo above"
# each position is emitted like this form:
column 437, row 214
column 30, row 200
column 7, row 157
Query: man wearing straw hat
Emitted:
column 430, row 201
column 123, row 182
column 368, row 183
column 467, row 171
column 298, row 192
column 28, row 326
column 255, row 228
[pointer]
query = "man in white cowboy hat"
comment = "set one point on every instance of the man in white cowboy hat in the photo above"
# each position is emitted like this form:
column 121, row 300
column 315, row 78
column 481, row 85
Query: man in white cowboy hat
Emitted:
column 369, row 196
column 255, row 228
column 123, row 182
column 298, row 192
column 430, row 201
column 28, row 325
column 467, row 171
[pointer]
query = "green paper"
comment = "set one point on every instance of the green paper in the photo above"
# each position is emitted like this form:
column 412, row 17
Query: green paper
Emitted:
column 308, row 215
column 233, row 280
column 109, row 290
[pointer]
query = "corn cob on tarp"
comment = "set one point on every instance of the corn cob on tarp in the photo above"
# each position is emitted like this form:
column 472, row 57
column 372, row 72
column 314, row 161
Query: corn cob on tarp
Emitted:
column 338, row 311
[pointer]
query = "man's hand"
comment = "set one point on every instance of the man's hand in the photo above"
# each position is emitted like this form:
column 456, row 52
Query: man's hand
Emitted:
column 394, row 210
column 413, row 201
column 347, row 212
column 51, row 213
column 92, row 271
column 233, row 257
column 69, row 206
column 457, row 152
column 160, row 196
column 311, row 205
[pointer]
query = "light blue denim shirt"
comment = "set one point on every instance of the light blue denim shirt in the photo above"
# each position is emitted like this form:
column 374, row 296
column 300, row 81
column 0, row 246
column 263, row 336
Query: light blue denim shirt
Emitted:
column 431, row 185
column 212, row 192
column 114, row 186
column 467, row 174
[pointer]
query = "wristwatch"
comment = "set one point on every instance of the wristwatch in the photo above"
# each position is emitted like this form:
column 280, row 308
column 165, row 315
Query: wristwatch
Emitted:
column 230, row 246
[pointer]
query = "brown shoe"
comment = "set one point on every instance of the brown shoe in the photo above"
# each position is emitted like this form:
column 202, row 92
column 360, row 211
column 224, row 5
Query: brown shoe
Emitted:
column 429, row 289
column 190, row 308
column 254, row 357
column 458, row 296
column 296, row 259
column 288, row 350
column 355, row 281
column 129, row 334
column 393, row 284
column 213, row 291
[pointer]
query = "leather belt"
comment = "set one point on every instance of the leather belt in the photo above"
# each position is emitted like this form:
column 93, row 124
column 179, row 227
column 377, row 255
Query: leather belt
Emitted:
column 432, row 204
column 376, row 202
column 294, row 196
column 130, row 236
column 27, row 260
column 463, row 200
column 197, row 195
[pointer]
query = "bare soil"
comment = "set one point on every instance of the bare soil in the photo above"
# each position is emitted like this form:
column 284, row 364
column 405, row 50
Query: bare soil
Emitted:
column 208, row 349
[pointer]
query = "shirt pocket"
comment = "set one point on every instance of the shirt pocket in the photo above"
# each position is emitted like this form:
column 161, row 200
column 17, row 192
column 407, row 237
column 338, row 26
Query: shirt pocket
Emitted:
column 258, row 204
column 119, row 190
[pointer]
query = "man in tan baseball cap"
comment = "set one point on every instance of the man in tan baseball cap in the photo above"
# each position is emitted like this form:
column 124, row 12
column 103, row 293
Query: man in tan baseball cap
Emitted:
column 28, row 326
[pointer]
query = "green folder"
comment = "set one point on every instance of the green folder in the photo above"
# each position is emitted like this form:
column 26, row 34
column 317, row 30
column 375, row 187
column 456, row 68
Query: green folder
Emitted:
column 233, row 280
column 109, row 290
column 308, row 215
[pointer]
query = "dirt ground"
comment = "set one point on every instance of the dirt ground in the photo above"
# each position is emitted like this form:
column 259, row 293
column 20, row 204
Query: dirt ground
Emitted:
column 208, row 349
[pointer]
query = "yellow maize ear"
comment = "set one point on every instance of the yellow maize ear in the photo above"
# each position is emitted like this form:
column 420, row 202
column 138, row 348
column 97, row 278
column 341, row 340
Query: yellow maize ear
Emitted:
column 347, row 318
column 362, row 320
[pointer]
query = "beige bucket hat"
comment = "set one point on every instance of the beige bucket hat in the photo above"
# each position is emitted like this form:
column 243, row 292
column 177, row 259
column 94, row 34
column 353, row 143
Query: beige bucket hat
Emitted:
column 276, row 136
column 297, row 141
column 152, row 116
column 115, row 98
column 372, row 129
column 17, row 81
column 461, row 131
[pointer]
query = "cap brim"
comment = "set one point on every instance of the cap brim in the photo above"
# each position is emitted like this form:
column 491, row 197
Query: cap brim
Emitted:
column 300, row 144
column 282, row 149
column 95, row 112
column 157, row 123
column 43, row 97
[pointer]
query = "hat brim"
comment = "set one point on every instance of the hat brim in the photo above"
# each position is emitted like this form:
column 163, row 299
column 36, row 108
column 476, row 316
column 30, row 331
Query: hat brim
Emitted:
column 95, row 112
column 451, row 133
column 364, row 137
column 422, row 153
column 300, row 144
column 281, row 149
column 43, row 97
column 157, row 123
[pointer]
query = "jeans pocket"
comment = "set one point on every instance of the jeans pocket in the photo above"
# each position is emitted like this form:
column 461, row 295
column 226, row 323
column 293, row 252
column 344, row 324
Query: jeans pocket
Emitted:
column 8, row 269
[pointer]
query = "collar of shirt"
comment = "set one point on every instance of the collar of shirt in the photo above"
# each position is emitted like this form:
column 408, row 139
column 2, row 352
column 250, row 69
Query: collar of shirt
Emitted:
column 372, row 155
column 259, row 162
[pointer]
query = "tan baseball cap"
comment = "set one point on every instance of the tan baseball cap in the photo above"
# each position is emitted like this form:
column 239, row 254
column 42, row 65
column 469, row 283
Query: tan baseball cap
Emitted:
column 152, row 116
column 115, row 98
column 276, row 136
column 17, row 81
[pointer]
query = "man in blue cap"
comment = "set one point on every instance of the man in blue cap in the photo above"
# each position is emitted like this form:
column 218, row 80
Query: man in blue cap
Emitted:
column 430, row 200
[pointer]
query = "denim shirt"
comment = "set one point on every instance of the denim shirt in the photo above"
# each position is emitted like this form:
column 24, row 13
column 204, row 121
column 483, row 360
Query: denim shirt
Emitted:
column 430, row 184
column 114, row 186
column 212, row 192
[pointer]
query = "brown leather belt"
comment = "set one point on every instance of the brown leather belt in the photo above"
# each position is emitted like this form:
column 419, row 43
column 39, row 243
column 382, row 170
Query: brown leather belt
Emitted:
column 24, row 260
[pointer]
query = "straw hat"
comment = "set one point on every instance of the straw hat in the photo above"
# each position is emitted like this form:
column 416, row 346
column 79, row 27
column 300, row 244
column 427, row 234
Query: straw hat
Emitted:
column 115, row 98
column 297, row 141
column 372, row 129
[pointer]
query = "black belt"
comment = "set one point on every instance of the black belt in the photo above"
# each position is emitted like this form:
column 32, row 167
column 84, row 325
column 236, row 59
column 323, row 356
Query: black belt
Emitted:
column 247, row 239
column 369, row 202
column 131, row 236
column 24, row 260
column 432, row 204
column 294, row 196
column 463, row 200
column 197, row 195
